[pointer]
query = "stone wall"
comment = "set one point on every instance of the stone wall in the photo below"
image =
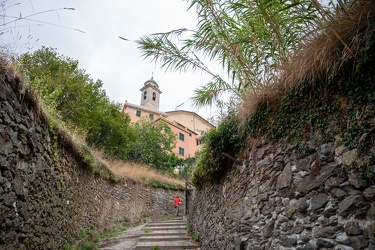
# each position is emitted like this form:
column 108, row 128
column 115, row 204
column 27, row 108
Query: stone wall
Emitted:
column 279, row 199
column 47, row 192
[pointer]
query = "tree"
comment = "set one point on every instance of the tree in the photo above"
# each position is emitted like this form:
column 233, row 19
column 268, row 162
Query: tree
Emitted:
column 62, row 85
column 73, row 97
column 154, row 144
column 249, row 38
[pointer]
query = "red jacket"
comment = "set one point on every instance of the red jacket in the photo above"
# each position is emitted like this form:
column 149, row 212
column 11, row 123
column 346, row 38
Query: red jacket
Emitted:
column 177, row 201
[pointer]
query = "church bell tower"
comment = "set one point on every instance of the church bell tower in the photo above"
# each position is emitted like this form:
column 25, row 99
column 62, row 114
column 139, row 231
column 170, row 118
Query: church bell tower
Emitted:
column 150, row 95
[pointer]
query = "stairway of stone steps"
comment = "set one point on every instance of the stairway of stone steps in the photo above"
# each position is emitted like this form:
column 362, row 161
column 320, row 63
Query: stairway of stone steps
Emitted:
column 170, row 234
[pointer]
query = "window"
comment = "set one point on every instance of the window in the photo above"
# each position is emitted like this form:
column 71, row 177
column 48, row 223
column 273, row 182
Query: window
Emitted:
column 138, row 113
column 154, row 96
column 151, row 116
column 197, row 142
column 145, row 95
column 181, row 136
column 181, row 151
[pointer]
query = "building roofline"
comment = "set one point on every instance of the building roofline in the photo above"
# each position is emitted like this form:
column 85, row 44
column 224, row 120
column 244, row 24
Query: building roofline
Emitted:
column 191, row 112
column 128, row 104
column 176, row 124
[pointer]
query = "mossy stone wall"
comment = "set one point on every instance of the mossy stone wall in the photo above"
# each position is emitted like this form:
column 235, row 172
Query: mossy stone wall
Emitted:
column 47, row 193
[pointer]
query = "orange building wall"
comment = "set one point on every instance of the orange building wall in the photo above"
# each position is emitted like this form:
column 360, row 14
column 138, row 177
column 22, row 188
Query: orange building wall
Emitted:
column 144, row 113
column 190, row 120
column 189, row 144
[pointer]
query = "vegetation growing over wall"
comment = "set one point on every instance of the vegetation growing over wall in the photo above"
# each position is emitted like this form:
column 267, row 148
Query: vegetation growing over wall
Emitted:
column 73, row 99
column 71, row 96
column 220, row 145
column 339, row 99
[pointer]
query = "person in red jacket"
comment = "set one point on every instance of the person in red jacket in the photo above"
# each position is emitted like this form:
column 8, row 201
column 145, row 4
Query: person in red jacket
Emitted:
column 177, row 203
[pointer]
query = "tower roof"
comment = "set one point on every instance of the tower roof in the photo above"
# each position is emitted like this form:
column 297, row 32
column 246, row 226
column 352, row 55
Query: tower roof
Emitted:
column 152, row 81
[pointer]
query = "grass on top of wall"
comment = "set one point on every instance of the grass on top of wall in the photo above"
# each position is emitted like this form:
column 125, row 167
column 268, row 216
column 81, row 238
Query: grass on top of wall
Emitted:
column 141, row 173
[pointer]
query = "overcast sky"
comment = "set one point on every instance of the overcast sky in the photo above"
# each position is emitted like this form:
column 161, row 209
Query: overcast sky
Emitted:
column 99, row 50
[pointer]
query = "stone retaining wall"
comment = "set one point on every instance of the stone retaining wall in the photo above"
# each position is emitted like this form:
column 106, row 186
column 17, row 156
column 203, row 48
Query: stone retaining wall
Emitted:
column 47, row 194
column 279, row 199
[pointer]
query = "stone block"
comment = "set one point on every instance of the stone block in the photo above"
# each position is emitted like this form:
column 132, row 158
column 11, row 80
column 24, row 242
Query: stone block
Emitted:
column 325, row 232
column 358, row 242
column 325, row 152
column 267, row 230
column 369, row 193
column 352, row 228
column 333, row 182
column 346, row 205
column 340, row 150
column 302, row 207
column 287, row 241
column 308, row 246
column 318, row 201
column 338, row 192
column 285, row 178
column 371, row 212
column 355, row 180
column 349, row 157
column 305, row 163
column 325, row 243
column 305, row 185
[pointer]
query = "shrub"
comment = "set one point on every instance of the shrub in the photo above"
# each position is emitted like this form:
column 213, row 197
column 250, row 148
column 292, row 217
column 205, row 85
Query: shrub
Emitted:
column 96, row 239
column 145, row 214
column 82, row 233
column 220, row 144
column 196, row 236
column 126, row 219
column 87, row 246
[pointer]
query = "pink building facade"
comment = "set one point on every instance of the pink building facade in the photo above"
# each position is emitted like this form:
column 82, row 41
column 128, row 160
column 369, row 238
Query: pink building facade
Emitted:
column 185, row 145
column 188, row 126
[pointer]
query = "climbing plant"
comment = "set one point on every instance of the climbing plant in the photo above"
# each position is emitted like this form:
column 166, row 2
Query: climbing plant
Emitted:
column 221, row 145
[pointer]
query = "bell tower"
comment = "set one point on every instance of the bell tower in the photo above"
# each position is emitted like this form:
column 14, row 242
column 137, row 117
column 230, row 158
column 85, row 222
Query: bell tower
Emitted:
column 150, row 95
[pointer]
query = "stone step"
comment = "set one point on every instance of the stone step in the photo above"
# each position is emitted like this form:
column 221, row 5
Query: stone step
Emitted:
column 171, row 218
column 165, row 233
column 157, row 224
column 164, row 237
column 159, row 228
column 170, row 234
column 170, row 245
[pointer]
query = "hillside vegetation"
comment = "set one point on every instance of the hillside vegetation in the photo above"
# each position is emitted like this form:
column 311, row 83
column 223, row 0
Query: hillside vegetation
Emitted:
column 141, row 173
column 324, row 91
column 80, row 112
